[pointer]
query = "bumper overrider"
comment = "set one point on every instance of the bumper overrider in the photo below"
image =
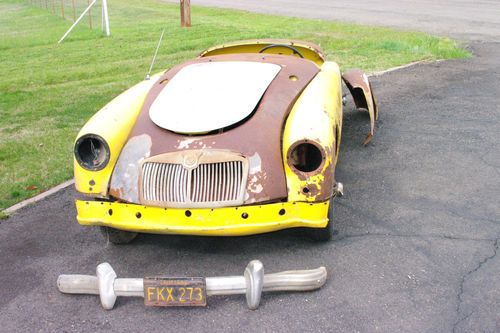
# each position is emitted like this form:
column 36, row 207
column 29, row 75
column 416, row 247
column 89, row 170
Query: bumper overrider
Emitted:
column 226, row 221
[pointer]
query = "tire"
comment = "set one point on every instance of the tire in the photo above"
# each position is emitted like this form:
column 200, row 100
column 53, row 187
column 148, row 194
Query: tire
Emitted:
column 116, row 236
column 323, row 234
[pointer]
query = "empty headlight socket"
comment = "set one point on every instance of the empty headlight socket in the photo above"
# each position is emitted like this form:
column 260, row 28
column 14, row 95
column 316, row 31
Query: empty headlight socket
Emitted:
column 92, row 152
column 306, row 158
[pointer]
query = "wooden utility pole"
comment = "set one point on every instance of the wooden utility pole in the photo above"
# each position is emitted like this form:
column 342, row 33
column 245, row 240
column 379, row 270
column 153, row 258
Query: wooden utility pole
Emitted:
column 90, row 14
column 185, row 13
column 62, row 9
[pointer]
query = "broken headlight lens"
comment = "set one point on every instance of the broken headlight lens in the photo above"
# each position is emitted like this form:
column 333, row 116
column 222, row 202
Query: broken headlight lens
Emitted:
column 92, row 152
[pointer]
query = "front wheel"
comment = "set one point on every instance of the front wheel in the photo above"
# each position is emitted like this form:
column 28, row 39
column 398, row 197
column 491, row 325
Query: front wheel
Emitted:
column 116, row 236
column 326, row 233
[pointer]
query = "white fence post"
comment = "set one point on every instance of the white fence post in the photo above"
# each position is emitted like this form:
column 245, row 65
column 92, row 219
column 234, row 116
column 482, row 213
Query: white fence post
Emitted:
column 105, row 18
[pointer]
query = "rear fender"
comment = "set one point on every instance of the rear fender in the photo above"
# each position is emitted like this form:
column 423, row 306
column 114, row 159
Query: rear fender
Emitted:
column 358, row 84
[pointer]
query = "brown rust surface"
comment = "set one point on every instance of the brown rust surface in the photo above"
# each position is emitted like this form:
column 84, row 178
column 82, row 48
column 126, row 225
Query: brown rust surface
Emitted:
column 323, row 190
column 260, row 134
column 327, row 185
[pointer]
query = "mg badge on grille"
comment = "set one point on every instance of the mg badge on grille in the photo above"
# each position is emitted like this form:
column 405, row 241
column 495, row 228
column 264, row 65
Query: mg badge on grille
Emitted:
column 190, row 161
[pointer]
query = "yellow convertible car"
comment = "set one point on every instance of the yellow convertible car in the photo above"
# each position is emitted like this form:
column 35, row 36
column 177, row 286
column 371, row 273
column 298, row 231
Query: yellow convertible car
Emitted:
column 242, row 140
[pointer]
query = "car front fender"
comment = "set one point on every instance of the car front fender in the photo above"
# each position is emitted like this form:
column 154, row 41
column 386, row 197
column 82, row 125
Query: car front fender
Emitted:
column 113, row 123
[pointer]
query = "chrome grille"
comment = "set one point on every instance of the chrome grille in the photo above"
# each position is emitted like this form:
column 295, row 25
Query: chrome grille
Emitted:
column 164, row 182
column 215, row 182
column 208, row 185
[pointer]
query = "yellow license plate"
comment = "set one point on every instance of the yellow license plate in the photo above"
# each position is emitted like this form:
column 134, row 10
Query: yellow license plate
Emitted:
column 165, row 291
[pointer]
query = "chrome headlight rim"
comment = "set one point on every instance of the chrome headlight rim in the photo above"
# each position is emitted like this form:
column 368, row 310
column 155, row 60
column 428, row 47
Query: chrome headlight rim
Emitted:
column 103, row 148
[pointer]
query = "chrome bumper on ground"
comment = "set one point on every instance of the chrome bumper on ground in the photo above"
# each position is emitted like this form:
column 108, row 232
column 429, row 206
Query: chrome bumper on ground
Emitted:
column 252, row 283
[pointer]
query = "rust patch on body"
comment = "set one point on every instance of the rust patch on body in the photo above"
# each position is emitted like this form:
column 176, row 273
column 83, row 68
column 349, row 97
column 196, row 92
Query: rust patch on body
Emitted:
column 314, row 190
column 261, row 133
column 256, row 178
column 328, row 183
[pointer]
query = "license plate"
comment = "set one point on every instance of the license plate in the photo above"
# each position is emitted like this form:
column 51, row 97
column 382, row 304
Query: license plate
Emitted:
column 165, row 291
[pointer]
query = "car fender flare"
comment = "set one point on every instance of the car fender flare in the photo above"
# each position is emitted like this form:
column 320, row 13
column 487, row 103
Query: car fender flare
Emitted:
column 362, row 93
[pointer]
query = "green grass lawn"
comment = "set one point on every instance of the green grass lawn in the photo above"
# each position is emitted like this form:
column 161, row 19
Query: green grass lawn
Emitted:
column 48, row 91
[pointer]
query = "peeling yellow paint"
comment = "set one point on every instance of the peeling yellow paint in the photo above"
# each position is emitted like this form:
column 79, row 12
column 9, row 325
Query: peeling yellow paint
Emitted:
column 315, row 117
column 119, row 114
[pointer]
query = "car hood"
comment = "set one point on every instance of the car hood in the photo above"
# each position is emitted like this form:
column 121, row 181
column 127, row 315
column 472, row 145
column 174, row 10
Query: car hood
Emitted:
column 258, row 138
column 208, row 96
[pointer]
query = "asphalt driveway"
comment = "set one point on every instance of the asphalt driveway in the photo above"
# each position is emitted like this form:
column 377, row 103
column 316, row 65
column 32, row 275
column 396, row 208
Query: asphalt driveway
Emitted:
column 477, row 20
column 416, row 248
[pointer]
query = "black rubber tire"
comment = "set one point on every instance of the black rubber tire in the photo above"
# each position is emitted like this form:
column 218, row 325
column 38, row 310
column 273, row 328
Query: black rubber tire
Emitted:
column 116, row 236
column 323, row 234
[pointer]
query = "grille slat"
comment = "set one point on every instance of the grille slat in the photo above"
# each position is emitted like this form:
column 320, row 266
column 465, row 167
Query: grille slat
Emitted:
column 208, row 185
column 164, row 183
column 231, row 178
column 203, row 184
column 235, row 188
column 161, row 170
column 208, row 182
column 169, row 181
column 216, row 187
column 176, row 182
column 157, row 188
column 223, row 181
column 196, row 176
column 145, row 173
column 183, row 181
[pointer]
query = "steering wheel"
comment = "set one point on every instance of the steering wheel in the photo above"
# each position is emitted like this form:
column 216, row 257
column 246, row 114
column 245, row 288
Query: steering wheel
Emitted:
column 295, row 51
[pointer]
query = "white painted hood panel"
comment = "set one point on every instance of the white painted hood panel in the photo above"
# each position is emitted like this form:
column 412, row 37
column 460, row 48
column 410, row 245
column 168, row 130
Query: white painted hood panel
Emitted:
column 208, row 96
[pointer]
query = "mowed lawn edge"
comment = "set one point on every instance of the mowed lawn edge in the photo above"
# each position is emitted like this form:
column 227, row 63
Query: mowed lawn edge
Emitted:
column 48, row 91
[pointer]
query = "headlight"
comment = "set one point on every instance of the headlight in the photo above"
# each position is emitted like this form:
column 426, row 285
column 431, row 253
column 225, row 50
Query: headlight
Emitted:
column 306, row 157
column 92, row 152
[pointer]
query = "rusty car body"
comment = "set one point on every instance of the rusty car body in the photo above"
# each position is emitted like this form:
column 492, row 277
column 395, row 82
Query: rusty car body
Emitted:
column 242, row 140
